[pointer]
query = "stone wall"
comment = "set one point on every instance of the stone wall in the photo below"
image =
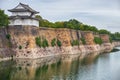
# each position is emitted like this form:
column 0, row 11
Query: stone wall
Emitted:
column 24, row 37
column 105, row 38
column 3, row 40
column 89, row 37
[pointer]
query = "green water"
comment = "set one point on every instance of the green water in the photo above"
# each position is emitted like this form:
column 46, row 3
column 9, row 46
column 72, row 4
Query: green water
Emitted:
column 103, row 67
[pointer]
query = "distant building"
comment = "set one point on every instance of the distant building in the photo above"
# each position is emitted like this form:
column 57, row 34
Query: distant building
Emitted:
column 23, row 15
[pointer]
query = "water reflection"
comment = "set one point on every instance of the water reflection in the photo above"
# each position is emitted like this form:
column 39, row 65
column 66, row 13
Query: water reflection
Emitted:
column 65, row 67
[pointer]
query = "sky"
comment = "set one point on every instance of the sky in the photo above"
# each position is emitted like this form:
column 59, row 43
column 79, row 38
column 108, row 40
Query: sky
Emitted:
column 104, row 14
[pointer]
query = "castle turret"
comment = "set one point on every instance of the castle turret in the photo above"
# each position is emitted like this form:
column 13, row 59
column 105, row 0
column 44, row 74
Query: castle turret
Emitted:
column 22, row 14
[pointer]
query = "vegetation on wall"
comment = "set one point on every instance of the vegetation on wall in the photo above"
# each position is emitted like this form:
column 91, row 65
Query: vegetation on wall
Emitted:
column 38, row 41
column 3, row 19
column 8, row 36
column 98, row 40
column 83, row 41
column 41, row 42
column 20, row 47
column 53, row 42
column 75, row 42
column 45, row 43
column 59, row 43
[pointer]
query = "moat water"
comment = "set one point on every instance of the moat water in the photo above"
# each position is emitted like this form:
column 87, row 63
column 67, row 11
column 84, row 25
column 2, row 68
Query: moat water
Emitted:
column 102, row 67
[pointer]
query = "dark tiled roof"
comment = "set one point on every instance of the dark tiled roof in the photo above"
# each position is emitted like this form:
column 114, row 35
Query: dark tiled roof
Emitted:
column 22, row 17
column 26, row 8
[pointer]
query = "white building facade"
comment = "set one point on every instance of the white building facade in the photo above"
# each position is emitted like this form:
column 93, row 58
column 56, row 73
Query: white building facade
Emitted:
column 23, row 15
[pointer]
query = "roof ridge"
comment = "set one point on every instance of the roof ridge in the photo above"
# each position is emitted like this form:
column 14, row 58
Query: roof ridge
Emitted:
column 23, row 4
column 26, row 7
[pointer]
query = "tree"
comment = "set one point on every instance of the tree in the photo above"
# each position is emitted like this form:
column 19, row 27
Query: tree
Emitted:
column 115, row 36
column 59, row 24
column 94, row 29
column 75, row 24
column 103, row 31
column 3, row 19
column 38, row 17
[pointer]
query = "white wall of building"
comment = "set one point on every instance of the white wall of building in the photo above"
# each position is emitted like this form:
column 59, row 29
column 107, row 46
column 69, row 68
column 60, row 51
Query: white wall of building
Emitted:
column 21, row 13
column 30, row 22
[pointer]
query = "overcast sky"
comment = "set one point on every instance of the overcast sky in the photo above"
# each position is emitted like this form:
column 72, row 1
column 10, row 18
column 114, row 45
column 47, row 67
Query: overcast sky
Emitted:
column 100, row 13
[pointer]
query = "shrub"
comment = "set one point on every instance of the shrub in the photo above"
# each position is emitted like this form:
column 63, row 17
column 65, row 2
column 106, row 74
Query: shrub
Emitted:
column 20, row 47
column 53, row 42
column 45, row 43
column 110, row 39
column 38, row 41
column 98, row 40
column 59, row 43
column 8, row 36
column 83, row 40
column 75, row 42
column 41, row 43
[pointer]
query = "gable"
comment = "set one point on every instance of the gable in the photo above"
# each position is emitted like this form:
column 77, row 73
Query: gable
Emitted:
column 22, row 8
column 19, row 7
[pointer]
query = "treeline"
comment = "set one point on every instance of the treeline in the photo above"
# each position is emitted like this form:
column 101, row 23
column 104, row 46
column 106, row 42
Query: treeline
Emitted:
column 116, row 36
column 71, row 24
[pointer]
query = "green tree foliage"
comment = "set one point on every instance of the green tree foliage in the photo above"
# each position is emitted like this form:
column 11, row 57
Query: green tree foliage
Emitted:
column 93, row 28
column 3, row 19
column 38, row 17
column 71, row 24
column 115, row 36
column 53, row 42
column 98, row 40
column 103, row 31
column 58, row 25
column 59, row 43
column 45, row 23
column 75, row 42
column 83, row 40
